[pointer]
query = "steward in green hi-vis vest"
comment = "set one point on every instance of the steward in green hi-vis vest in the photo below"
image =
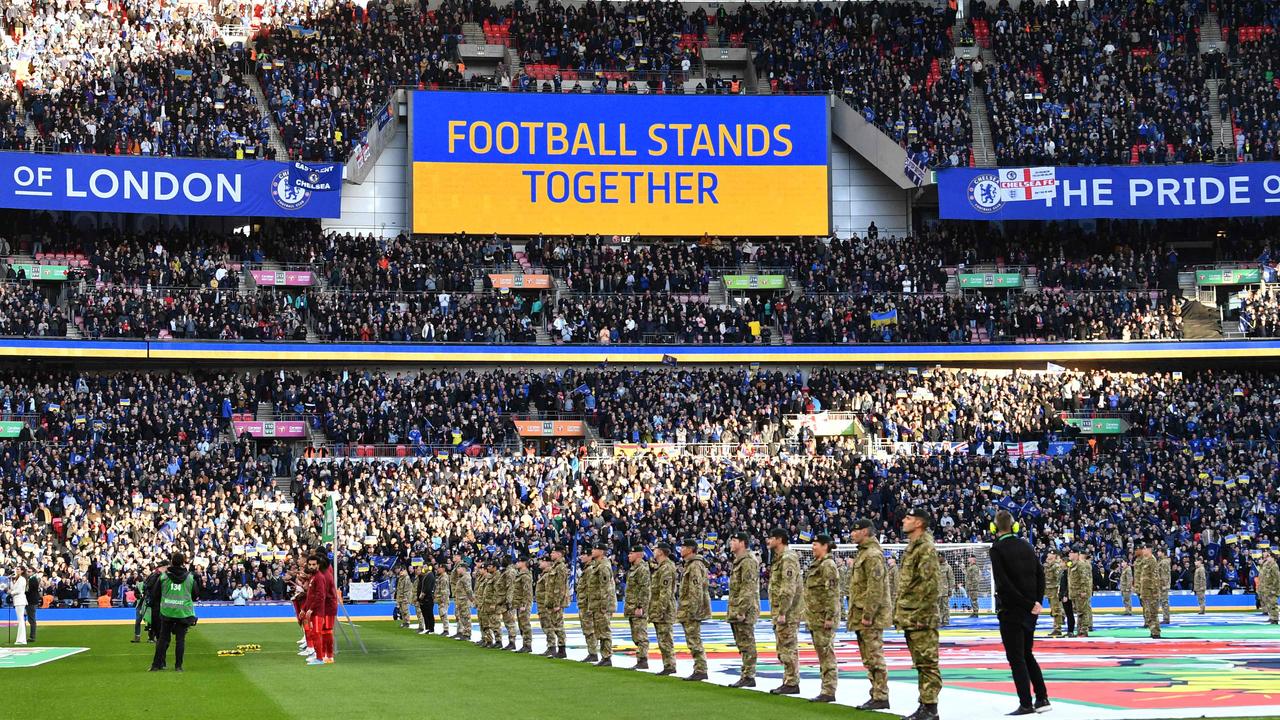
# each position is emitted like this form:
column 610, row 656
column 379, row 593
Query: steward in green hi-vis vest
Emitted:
column 176, row 599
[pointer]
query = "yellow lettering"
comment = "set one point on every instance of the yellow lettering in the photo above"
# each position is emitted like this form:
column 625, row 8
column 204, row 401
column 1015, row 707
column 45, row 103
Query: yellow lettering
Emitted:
column 782, row 140
column 702, row 141
column 557, row 138
column 753, row 149
column 488, row 137
column 454, row 135
column 604, row 142
column 511, row 147
column 680, row 128
column 731, row 136
column 533, row 136
column 658, row 140
column 622, row 141
column 582, row 141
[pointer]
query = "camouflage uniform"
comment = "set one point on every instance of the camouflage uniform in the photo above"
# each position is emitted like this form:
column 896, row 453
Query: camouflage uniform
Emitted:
column 521, row 601
column 1200, row 583
column 1269, row 588
column 604, row 600
column 463, row 598
column 1126, row 589
column 585, row 617
column 506, row 608
column 695, row 606
column 1080, row 589
column 490, row 621
column 1052, row 579
column 892, row 577
column 1166, row 579
column 1147, row 577
column 442, row 597
column 662, row 610
column 916, row 613
column 636, row 598
column 404, row 598
column 540, row 599
column 946, row 583
column 822, row 608
column 557, row 597
column 869, row 613
column 844, row 588
column 785, row 599
column 744, row 608
column 973, row 587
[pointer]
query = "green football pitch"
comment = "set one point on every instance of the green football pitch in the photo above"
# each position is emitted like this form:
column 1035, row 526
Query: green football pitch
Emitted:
column 403, row 675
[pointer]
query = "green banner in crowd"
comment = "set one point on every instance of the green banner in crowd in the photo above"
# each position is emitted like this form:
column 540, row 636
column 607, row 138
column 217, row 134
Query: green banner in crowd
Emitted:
column 1099, row 426
column 42, row 272
column 1229, row 276
column 10, row 428
column 755, row 282
column 989, row 280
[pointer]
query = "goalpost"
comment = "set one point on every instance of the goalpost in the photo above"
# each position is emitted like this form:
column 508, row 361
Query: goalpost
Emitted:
column 955, row 554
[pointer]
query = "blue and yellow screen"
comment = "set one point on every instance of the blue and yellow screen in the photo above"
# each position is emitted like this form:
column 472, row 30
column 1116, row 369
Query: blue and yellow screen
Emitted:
column 525, row 164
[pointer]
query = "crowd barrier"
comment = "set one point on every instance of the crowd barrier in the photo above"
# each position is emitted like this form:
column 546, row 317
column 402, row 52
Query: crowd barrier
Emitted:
column 167, row 350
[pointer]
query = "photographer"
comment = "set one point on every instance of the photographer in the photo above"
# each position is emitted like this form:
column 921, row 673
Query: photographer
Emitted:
column 178, row 589
column 1019, row 586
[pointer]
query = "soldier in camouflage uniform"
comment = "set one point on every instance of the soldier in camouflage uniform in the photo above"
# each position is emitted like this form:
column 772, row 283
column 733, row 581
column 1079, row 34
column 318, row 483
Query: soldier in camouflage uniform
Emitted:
column 557, row 599
column 604, row 600
column 584, row 606
column 540, row 598
column 822, row 612
column 946, row 583
column 869, row 610
column 916, row 613
column 1146, row 575
column 662, row 605
column 843, row 564
column 1053, row 570
column 1166, row 581
column 403, row 595
column 1200, row 583
column 892, row 578
column 1080, row 588
column 490, row 619
column 1126, row 587
column 522, row 602
column 463, row 597
column 973, row 585
column 1269, row 587
column 635, row 603
column 785, row 605
column 695, row 605
column 442, row 596
column 481, row 579
column 744, row 605
column 506, row 608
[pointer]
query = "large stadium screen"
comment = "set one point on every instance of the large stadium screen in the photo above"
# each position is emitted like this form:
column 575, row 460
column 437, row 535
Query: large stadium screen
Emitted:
column 524, row 164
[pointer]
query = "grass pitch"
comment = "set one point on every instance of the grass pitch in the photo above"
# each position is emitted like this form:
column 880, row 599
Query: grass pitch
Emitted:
column 404, row 675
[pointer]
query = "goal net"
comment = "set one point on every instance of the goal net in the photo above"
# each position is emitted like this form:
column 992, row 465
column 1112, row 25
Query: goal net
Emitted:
column 956, row 555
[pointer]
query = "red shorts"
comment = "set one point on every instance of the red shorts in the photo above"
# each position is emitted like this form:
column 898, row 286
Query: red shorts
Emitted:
column 322, row 623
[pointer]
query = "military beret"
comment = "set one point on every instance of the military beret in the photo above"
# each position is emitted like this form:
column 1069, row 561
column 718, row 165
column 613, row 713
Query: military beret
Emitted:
column 524, row 558
column 637, row 548
column 919, row 512
column 689, row 543
column 823, row 538
column 666, row 548
column 864, row 524
column 742, row 537
column 780, row 534
column 601, row 545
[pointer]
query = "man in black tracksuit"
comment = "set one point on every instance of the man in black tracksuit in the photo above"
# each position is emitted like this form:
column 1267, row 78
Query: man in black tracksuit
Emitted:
column 1019, row 585
column 426, row 592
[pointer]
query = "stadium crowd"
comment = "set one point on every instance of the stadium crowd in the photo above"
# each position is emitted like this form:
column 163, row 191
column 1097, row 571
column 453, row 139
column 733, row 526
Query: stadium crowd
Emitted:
column 427, row 317
column 190, row 313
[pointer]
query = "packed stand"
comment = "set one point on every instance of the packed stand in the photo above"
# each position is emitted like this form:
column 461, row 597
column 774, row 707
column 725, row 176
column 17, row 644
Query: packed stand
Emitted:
column 657, row 318
column 601, row 265
column 191, row 314
column 399, row 264
column 1250, row 91
column 494, row 319
column 26, row 311
column 891, row 61
column 1114, row 84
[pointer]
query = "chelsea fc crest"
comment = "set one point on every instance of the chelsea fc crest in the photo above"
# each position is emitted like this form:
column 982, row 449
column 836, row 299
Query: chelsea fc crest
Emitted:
column 984, row 193
column 286, row 195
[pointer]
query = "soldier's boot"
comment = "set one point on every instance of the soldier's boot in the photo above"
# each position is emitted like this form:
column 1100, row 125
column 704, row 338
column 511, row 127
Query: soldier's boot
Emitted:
column 785, row 690
column 744, row 682
column 528, row 647
column 924, row 712
column 641, row 664
column 874, row 704
column 511, row 645
column 823, row 698
column 668, row 671
column 696, row 677
column 592, row 657
column 605, row 662
column 561, row 654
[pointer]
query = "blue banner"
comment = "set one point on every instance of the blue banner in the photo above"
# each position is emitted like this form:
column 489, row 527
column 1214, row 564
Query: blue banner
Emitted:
column 1137, row 192
column 162, row 186
column 317, row 178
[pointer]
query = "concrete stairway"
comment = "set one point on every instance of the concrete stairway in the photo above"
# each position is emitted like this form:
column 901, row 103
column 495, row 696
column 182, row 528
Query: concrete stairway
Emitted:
column 473, row 33
column 1221, row 126
column 984, row 149
column 273, row 132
